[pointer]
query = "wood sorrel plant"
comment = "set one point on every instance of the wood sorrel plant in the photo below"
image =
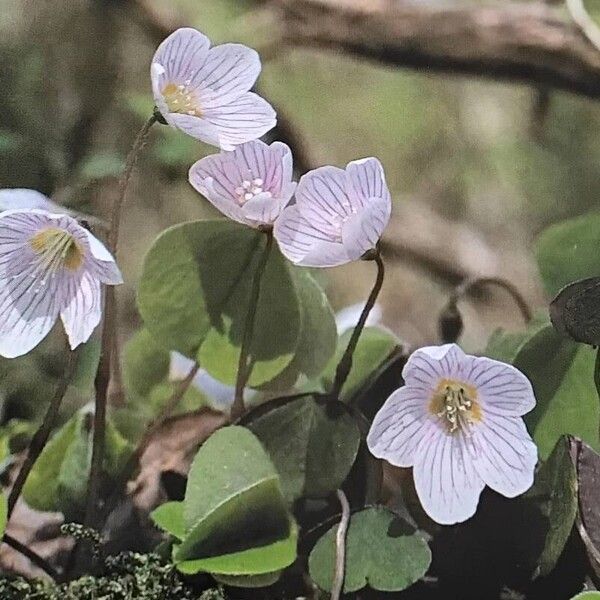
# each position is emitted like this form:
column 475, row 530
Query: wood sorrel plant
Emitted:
column 233, row 299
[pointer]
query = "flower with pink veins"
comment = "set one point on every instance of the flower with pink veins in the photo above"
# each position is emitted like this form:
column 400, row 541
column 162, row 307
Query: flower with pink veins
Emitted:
column 204, row 91
column 251, row 184
column 457, row 422
column 339, row 215
column 50, row 266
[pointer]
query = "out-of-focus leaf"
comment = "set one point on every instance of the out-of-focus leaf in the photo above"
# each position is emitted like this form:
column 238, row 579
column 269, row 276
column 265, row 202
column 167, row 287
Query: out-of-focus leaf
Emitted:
column 98, row 166
column 169, row 516
column 575, row 311
column 88, row 358
column 3, row 513
column 312, row 445
column 382, row 551
column 58, row 480
column 504, row 345
column 249, row 581
column 374, row 346
column 196, row 281
column 587, row 596
column 569, row 251
column 233, row 504
column 555, row 489
column 562, row 375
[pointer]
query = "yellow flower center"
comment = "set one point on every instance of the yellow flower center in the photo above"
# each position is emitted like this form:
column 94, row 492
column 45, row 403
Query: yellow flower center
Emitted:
column 456, row 404
column 58, row 248
column 180, row 100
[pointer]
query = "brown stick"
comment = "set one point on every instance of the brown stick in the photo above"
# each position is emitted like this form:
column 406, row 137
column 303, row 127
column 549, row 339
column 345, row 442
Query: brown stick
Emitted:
column 34, row 557
column 520, row 42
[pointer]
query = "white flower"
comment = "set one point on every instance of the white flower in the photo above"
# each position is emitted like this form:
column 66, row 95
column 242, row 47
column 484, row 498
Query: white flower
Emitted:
column 18, row 198
column 251, row 185
column 338, row 216
column 205, row 91
column 457, row 422
column 49, row 266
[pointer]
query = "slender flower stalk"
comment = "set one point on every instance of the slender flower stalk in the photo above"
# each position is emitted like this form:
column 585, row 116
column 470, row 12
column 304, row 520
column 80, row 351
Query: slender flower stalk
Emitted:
column 42, row 434
column 109, row 367
column 245, row 361
column 340, row 547
column 345, row 365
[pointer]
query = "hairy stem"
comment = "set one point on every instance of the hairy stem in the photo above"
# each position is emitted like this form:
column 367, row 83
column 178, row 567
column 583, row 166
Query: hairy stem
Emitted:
column 340, row 547
column 109, row 360
column 40, row 438
column 34, row 557
column 345, row 365
column 245, row 362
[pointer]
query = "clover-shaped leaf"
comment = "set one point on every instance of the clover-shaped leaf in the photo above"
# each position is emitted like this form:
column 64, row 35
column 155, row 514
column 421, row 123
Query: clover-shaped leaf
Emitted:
column 382, row 551
column 312, row 444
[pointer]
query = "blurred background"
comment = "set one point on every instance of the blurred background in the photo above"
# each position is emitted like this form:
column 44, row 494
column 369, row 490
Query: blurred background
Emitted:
column 476, row 168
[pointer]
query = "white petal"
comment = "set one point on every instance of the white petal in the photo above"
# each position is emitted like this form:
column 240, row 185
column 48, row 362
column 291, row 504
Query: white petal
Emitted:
column 242, row 120
column 322, row 198
column 180, row 366
column 101, row 262
column 305, row 245
column 505, row 454
column 398, row 427
column 368, row 179
column 178, row 58
column 11, row 199
column 428, row 365
column 230, row 70
column 263, row 209
column 445, row 479
column 195, row 127
column 502, row 389
column 362, row 231
column 82, row 310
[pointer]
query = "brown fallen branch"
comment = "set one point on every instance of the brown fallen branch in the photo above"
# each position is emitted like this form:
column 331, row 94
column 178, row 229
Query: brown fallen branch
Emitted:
column 521, row 42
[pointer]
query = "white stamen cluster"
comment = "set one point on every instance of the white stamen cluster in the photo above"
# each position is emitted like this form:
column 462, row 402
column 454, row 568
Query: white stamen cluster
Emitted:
column 180, row 99
column 249, row 189
column 457, row 409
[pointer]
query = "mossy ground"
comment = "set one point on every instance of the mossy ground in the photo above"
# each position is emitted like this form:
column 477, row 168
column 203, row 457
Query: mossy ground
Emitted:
column 128, row 576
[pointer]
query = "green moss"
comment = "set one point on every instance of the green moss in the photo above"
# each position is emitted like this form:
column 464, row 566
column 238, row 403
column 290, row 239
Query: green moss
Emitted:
column 128, row 576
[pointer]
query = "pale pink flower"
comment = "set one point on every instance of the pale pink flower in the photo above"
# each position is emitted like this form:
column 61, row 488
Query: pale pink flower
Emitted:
column 204, row 91
column 338, row 215
column 251, row 184
column 49, row 266
column 457, row 422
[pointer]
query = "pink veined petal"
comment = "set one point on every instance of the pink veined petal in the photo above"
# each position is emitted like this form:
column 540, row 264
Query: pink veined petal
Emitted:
column 82, row 309
column 195, row 127
column 430, row 364
column 181, row 56
column 101, row 262
column 18, row 198
column 214, row 180
column 446, row 481
column 502, row 389
column 368, row 180
column 244, row 119
column 303, row 244
column 262, row 209
column 505, row 454
column 287, row 170
column 229, row 71
column 322, row 198
column 398, row 427
column 28, row 308
column 362, row 231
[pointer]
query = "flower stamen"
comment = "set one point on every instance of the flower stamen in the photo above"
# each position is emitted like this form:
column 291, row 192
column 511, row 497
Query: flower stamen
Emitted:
column 456, row 403
column 180, row 99
column 248, row 189
column 57, row 249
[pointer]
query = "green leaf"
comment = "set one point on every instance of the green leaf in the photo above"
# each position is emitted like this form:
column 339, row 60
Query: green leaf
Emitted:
column 88, row 358
column 503, row 345
column 260, row 560
column 312, row 445
column 197, row 277
column 318, row 335
column 248, row 581
column 169, row 516
column 568, row 251
column 587, row 596
column 381, row 551
column 145, row 363
column 233, row 500
column 58, row 480
column 3, row 513
column 374, row 347
column 555, row 489
column 562, row 375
